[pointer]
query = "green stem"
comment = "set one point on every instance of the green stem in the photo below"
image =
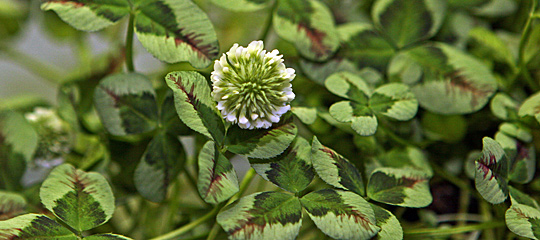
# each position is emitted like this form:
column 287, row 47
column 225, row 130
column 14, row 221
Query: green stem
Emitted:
column 213, row 233
column 45, row 71
column 129, row 44
column 268, row 25
column 521, row 52
column 456, row 230
column 190, row 226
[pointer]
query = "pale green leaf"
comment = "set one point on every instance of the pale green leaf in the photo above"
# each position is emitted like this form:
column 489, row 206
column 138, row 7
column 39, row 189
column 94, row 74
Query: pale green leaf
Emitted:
column 492, row 172
column 194, row 104
column 107, row 236
column 262, row 143
column 453, row 82
column 89, row 15
column 334, row 169
column 305, row 114
column 175, row 31
column 395, row 101
column 217, row 179
column 389, row 224
column 309, row 25
column 531, row 107
column 503, row 106
column 523, row 220
column 400, row 187
column 80, row 199
column 242, row 5
column 11, row 205
column 341, row 214
column 34, row 226
column 262, row 216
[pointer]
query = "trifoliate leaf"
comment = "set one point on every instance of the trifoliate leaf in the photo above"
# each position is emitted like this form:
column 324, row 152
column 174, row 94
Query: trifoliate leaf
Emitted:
column 531, row 107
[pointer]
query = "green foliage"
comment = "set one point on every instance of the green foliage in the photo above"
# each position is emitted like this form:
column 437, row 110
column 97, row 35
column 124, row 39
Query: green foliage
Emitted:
column 393, row 94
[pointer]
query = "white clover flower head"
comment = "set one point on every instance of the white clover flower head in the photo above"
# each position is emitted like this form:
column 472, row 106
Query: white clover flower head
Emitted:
column 54, row 134
column 251, row 86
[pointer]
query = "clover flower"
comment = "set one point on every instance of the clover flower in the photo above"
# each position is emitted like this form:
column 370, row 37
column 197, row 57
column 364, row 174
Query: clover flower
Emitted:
column 53, row 132
column 251, row 86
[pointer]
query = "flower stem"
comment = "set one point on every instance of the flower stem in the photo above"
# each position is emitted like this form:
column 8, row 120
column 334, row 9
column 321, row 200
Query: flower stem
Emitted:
column 129, row 44
column 456, row 230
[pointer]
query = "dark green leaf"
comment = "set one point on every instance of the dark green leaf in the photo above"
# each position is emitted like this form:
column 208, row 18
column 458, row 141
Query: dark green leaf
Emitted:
column 364, row 46
column 126, row 104
column 175, row 31
column 309, row 25
column 163, row 159
column 341, row 214
column 217, row 179
column 291, row 170
column 409, row 21
column 262, row 216
column 81, row 200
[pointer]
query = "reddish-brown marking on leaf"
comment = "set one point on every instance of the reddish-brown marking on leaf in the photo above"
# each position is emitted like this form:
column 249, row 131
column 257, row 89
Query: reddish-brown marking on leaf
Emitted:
column 248, row 227
column 194, row 40
column 215, row 182
column 487, row 164
column 410, row 181
column 523, row 151
column 461, row 82
column 316, row 38
column 73, row 3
